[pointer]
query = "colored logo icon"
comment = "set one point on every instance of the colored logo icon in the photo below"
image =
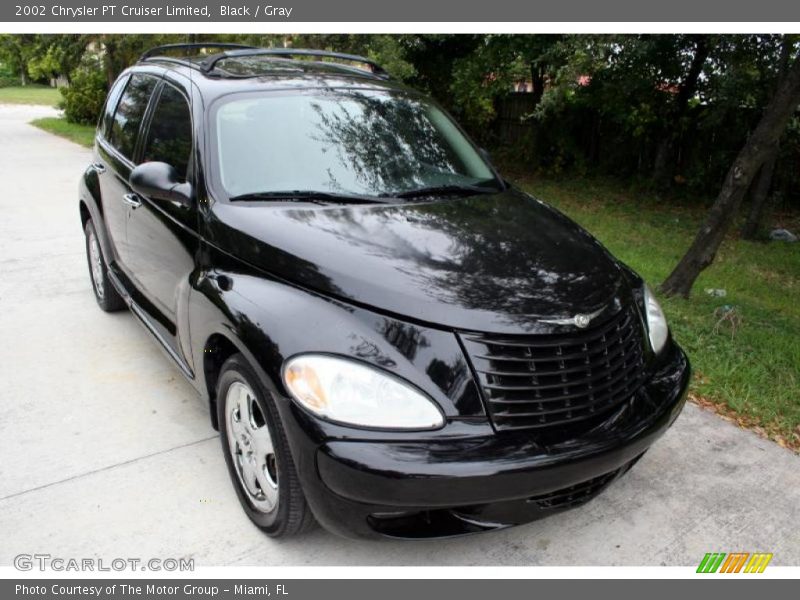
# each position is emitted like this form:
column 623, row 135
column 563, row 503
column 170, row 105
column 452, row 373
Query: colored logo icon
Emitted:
column 736, row 562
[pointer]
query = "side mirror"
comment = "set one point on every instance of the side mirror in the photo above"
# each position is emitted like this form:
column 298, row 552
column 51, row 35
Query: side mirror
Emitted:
column 160, row 181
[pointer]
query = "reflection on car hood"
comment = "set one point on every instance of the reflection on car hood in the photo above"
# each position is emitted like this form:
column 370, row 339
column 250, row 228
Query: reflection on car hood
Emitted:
column 494, row 263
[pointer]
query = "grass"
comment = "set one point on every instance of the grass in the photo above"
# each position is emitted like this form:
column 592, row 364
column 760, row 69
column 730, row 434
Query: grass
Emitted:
column 751, row 375
column 30, row 94
column 80, row 134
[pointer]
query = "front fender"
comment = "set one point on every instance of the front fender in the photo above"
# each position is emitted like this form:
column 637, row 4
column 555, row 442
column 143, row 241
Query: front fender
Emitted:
column 269, row 320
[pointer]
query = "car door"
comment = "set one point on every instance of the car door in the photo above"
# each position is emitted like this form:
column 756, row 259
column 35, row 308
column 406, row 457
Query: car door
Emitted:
column 162, row 235
column 116, row 150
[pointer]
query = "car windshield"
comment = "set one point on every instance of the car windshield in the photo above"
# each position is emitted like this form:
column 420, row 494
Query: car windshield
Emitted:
column 344, row 142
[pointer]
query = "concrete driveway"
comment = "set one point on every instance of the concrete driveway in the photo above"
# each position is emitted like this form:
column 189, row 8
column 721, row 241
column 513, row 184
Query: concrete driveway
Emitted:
column 107, row 452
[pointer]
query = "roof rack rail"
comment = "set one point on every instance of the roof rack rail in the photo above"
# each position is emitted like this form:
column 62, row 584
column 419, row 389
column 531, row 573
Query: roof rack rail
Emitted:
column 209, row 63
column 158, row 50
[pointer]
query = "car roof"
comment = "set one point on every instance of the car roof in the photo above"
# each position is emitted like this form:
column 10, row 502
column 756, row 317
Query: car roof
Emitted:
column 238, row 71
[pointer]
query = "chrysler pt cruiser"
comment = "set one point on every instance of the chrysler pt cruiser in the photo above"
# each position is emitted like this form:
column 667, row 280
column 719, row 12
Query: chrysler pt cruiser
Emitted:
column 392, row 340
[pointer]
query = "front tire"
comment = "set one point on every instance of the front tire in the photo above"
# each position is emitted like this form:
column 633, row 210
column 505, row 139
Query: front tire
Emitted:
column 257, row 453
column 104, row 292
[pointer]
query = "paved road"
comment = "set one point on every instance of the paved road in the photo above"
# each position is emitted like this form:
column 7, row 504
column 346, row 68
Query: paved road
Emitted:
column 105, row 451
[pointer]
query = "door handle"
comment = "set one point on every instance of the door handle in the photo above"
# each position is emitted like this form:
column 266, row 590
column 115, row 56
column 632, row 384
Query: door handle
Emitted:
column 99, row 167
column 132, row 200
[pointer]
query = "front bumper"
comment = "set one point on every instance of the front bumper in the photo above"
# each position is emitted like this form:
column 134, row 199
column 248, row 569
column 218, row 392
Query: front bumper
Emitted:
column 444, row 487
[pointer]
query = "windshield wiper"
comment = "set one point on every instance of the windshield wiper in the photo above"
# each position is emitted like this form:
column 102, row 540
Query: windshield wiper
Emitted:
column 443, row 190
column 306, row 195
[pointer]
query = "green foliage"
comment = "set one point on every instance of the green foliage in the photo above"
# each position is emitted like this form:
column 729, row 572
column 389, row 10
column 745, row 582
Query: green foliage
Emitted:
column 497, row 63
column 7, row 81
column 83, row 99
column 122, row 50
column 39, row 57
column 7, row 76
column 45, row 65
column 56, row 55
column 387, row 50
column 612, row 100
column 15, row 52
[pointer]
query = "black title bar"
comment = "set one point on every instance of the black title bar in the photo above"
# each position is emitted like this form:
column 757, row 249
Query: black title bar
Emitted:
column 443, row 11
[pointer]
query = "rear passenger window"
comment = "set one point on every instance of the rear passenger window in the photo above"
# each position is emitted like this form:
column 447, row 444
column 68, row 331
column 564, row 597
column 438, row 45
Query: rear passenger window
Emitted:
column 111, row 104
column 130, row 112
column 170, row 136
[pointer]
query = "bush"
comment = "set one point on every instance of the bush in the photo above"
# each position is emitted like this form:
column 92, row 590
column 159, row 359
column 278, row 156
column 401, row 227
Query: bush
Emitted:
column 8, row 80
column 7, row 76
column 83, row 98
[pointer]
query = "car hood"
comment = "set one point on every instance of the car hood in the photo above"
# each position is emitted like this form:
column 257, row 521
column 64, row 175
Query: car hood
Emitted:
column 493, row 263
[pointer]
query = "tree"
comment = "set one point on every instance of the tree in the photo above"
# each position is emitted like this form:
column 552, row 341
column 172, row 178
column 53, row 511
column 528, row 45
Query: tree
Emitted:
column 676, row 113
column 56, row 55
column 16, row 51
column 631, row 99
column 763, row 183
column 119, row 51
column 387, row 50
column 496, row 64
column 434, row 57
column 751, row 157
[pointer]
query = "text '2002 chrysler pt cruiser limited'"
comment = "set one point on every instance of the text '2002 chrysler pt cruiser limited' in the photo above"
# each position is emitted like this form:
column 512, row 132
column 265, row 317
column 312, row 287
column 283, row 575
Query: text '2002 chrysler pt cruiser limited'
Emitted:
column 393, row 341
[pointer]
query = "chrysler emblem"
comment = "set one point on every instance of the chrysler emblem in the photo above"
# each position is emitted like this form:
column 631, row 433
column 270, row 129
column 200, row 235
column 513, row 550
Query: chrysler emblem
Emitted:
column 580, row 320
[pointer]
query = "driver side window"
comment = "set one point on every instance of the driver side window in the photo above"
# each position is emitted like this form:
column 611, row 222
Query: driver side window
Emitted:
column 170, row 137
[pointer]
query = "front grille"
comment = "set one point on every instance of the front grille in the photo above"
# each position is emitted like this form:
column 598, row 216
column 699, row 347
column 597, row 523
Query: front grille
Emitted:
column 574, row 495
column 559, row 384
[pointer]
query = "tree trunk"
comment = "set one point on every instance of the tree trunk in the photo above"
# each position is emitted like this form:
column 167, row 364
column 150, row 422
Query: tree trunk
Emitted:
column 759, row 197
column 662, row 167
column 665, row 154
column 110, row 60
column 755, row 152
column 760, row 191
column 537, row 84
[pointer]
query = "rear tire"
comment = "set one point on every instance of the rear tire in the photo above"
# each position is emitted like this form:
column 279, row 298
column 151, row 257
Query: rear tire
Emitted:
column 104, row 292
column 257, row 453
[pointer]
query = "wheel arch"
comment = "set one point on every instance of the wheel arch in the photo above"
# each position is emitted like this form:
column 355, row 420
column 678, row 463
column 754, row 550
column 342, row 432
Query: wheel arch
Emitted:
column 83, row 209
column 219, row 344
column 90, row 207
column 217, row 349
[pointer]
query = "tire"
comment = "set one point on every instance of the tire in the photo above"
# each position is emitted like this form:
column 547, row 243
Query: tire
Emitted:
column 257, row 453
column 104, row 292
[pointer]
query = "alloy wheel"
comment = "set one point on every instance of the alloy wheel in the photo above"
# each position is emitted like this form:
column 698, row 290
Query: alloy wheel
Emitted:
column 251, row 447
column 96, row 262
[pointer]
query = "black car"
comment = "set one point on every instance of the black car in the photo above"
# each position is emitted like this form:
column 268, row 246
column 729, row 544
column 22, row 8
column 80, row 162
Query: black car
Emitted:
column 391, row 338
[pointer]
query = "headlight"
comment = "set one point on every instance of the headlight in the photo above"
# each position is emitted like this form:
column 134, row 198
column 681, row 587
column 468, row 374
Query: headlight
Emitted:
column 350, row 392
column 656, row 321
